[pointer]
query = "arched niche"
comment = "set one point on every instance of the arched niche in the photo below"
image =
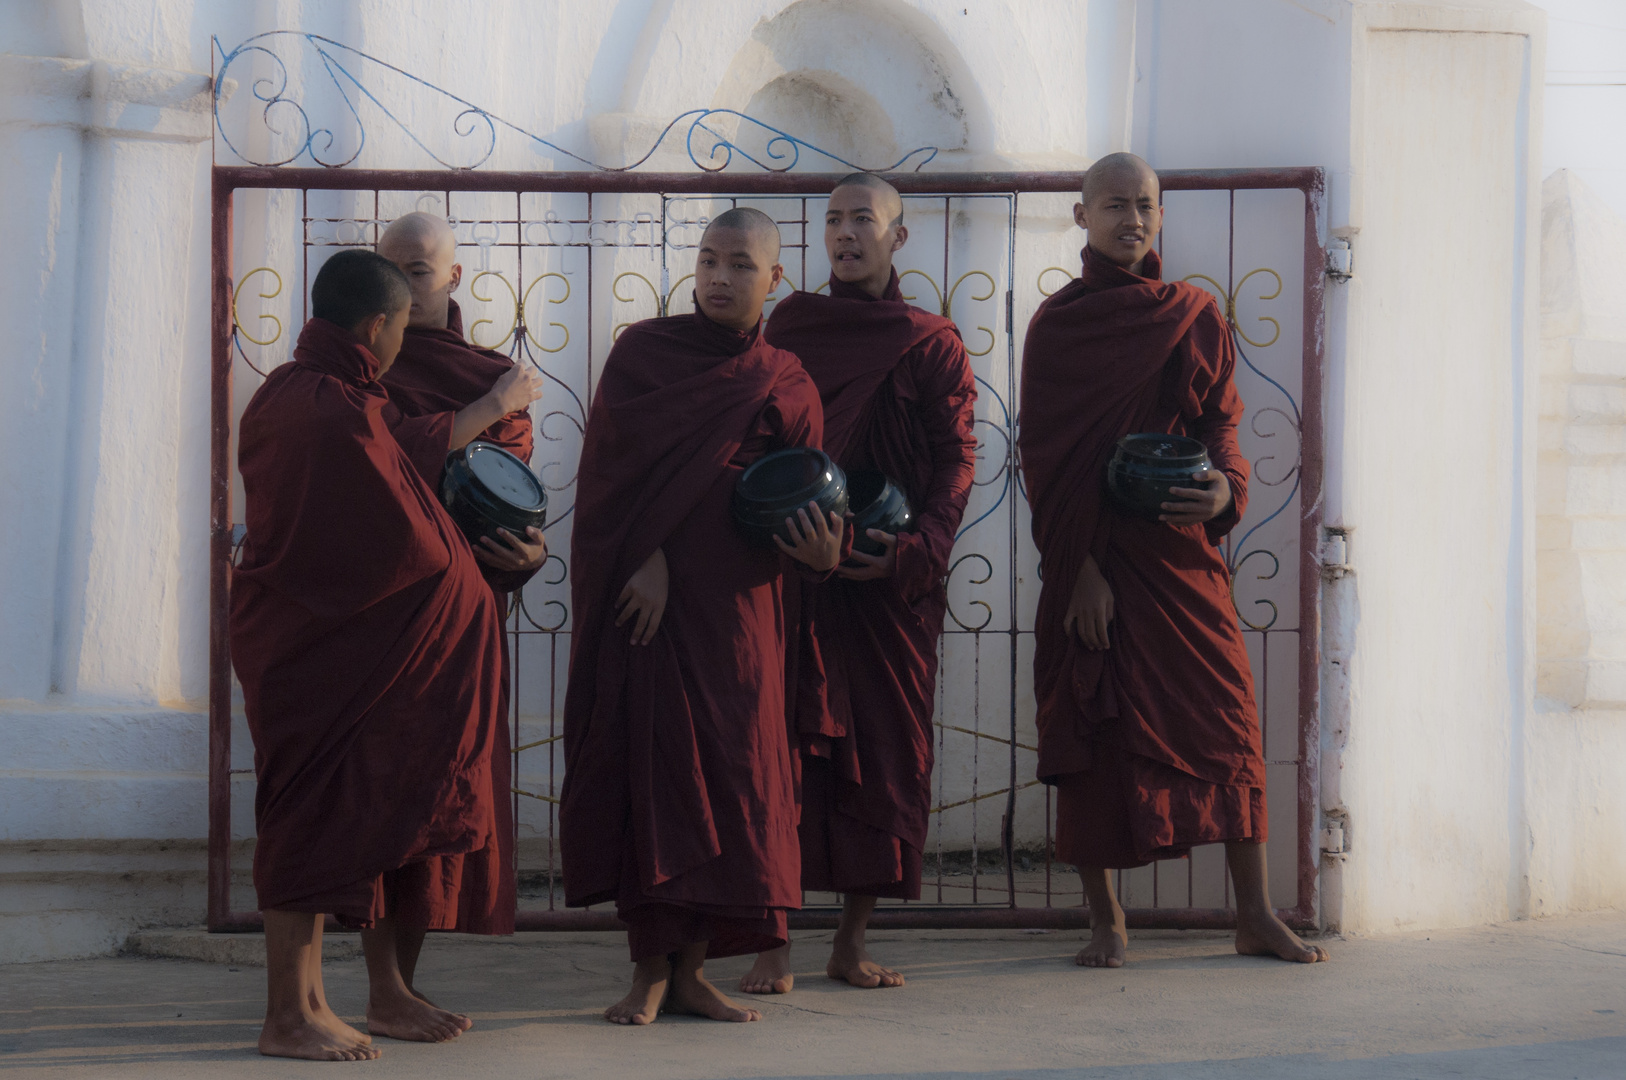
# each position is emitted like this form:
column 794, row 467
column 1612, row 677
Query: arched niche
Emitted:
column 868, row 80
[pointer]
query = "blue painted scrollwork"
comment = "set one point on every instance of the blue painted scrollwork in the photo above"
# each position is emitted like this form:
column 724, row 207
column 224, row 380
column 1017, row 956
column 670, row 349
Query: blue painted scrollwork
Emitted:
column 284, row 114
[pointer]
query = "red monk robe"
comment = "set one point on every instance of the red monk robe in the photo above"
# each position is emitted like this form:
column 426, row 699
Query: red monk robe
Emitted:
column 898, row 396
column 436, row 374
column 1153, row 743
column 678, row 800
column 369, row 651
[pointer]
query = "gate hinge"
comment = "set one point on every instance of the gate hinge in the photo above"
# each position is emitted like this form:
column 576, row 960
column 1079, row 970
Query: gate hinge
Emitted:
column 1334, row 838
column 1340, row 258
column 1334, row 553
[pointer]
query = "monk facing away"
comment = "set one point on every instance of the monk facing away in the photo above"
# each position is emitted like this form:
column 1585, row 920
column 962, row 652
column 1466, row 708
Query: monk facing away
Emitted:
column 369, row 651
column 898, row 395
column 679, row 801
column 1146, row 715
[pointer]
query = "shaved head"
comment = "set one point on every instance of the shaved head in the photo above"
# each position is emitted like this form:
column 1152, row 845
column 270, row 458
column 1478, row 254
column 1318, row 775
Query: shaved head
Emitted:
column 418, row 228
column 888, row 203
column 1116, row 167
column 425, row 248
column 755, row 224
column 1122, row 211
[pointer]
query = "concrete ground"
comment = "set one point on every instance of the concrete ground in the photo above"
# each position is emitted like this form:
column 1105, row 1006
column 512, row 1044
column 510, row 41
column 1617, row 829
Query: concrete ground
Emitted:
column 1522, row 1001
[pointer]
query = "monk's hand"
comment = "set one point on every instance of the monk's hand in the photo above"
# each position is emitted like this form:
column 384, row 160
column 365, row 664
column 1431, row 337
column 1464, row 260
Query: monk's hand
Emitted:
column 862, row 567
column 817, row 538
column 1090, row 610
column 513, row 553
column 644, row 599
column 1193, row 506
column 519, row 386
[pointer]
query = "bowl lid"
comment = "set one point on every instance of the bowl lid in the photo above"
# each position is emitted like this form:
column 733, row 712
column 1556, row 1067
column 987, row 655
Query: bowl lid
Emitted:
column 1162, row 449
column 506, row 476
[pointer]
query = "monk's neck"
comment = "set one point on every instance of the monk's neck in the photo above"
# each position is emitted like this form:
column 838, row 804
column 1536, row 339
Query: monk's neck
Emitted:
column 1138, row 267
column 876, row 284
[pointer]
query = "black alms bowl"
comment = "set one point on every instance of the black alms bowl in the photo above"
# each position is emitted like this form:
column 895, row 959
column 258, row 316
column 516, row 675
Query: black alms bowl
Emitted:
column 485, row 488
column 876, row 503
column 1144, row 467
column 781, row 483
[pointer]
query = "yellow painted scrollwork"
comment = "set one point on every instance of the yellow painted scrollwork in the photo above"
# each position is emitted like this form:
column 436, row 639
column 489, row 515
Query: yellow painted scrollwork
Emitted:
column 275, row 292
column 525, row 301
column 945, row 303
column 1229, row 299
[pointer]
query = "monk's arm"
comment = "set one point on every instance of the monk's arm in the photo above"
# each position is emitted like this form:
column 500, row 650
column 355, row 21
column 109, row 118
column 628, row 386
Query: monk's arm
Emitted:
column 514, row 392
column 1216, row 428
column 948, row 397
column 426, row 440
column 794, row 414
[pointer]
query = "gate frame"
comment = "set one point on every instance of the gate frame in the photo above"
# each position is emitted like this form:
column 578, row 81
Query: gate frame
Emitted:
column 226, row 180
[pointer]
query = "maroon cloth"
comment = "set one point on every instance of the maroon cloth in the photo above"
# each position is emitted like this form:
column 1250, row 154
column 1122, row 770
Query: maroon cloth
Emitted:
column 369, row 651
column 1166, row 714
column 898, row 396
column 436, row 374
column 678, row 784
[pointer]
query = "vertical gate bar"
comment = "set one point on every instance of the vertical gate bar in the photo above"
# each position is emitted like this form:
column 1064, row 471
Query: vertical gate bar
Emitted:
column 1009, row 838
column 1310, row 476
column 516, row 603
column 220, row 529
column 1230, row 314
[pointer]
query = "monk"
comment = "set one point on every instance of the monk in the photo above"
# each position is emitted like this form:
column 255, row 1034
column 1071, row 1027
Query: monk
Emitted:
column 898, row 396
column 443, row 394
column 679, row 800
column 1146, row 716
column 369, row 651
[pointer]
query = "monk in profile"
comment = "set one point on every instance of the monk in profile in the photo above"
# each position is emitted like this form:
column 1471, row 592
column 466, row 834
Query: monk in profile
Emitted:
column 369, row 650
column 679, row 802
column 898, row 396
column 1146, row 715
column 443, row 394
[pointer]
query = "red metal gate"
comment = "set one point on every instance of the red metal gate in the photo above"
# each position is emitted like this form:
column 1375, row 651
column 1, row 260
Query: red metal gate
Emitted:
column 567, row 258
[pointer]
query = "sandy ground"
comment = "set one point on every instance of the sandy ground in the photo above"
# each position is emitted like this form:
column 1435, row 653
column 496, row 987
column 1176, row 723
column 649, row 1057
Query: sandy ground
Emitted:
column 1522, row 1001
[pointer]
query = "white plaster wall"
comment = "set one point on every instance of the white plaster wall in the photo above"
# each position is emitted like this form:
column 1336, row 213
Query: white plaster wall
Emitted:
column 1577, row 731
column 1586, row 95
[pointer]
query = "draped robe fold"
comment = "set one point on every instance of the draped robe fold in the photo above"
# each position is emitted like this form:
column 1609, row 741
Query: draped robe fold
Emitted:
column 436, row 374
column 368, row 647
column 1154, row 743
column 678, row 800
column 898, row 396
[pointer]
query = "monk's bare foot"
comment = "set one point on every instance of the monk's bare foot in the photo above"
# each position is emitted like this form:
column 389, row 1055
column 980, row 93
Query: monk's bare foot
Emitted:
column 770, row 974
column 853, row 965
column 1266, row 935
column 643, row 1002
column 311, row 1038
column 1108, row 945
column 693, row 994
column 400, row 1015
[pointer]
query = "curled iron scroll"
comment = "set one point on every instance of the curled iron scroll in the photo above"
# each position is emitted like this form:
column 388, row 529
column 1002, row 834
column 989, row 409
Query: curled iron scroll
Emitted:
column 286, row 118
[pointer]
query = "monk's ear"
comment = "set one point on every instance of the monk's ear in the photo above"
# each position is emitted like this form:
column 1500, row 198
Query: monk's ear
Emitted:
column 775, row 276
column 457, row 277
column 900, row 236
column 371, row 327
column 1080, row 218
